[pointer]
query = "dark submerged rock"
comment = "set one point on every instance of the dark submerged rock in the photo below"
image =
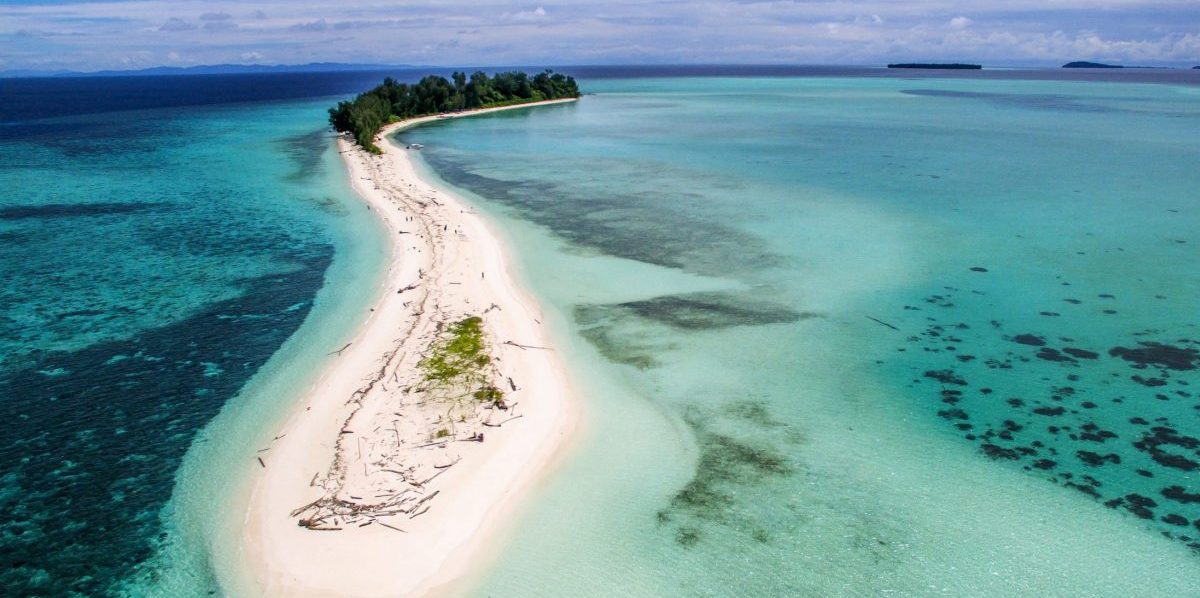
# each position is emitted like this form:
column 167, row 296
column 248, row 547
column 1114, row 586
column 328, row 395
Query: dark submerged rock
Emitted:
column 1158, row 354
column 1140, row 505
column 1174, row 461
column 1096, row 459
column 1080, row 353
column 1181, row 495
column 946, row 377
column 1173, row 519
column 1151, row 382
column 998, row 452
column 1032, row 340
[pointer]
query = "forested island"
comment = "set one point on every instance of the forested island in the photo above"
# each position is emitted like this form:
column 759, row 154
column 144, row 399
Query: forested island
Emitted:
column 935, row 65
column 1083, row 64
column 392, row 101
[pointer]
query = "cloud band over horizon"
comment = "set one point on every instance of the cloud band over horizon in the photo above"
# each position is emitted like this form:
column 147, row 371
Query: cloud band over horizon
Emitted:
column 65, row 34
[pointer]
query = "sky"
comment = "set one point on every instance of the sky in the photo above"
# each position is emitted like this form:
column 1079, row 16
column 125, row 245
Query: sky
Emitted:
column 91, row 35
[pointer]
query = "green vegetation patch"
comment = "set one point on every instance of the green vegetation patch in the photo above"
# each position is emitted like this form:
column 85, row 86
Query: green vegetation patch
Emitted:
column 459, row 364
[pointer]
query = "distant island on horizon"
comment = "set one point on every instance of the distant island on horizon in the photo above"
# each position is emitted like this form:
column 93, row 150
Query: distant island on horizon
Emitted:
column 1083, row 64
column 213, row 69
column 336, row 67
column 936, row 65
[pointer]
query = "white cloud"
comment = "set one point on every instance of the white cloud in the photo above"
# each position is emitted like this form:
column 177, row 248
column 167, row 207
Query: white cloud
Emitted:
column 537, row 14
column 959, row 23
column 250, row 57
column 98, row 33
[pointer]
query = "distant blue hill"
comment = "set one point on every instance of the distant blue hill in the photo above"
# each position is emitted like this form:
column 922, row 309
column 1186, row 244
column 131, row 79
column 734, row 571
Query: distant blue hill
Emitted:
column 213, row 69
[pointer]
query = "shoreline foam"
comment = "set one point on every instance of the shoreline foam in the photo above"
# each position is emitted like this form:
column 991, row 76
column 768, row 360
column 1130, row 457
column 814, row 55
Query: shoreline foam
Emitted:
column 459, row 267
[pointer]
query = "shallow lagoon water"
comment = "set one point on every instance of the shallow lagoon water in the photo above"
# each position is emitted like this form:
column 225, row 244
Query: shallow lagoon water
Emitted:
column 785, row 301
column 858, row 336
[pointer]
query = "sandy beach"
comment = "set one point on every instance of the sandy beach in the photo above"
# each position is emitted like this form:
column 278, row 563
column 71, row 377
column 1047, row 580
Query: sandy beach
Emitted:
column 372, row 487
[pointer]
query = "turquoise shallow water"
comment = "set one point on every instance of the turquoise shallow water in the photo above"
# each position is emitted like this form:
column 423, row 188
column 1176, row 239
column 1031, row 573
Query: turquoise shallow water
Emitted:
column 836, row 336
column 154, row 262
column 849, row 336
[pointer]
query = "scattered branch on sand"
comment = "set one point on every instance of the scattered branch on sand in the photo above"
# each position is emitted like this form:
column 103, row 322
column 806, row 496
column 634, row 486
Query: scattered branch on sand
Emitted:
column 339, row 351
column 422, row 483
column 390, row 526
column 327, row 513
column 447, row 465
column 527, row 346
column 497, row 425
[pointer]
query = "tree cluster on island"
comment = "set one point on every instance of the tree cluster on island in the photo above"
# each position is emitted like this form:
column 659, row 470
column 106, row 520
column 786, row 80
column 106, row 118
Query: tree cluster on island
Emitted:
column 367, row 113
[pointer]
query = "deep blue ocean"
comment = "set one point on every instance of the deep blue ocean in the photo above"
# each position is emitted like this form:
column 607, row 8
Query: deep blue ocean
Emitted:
column 161, row 238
